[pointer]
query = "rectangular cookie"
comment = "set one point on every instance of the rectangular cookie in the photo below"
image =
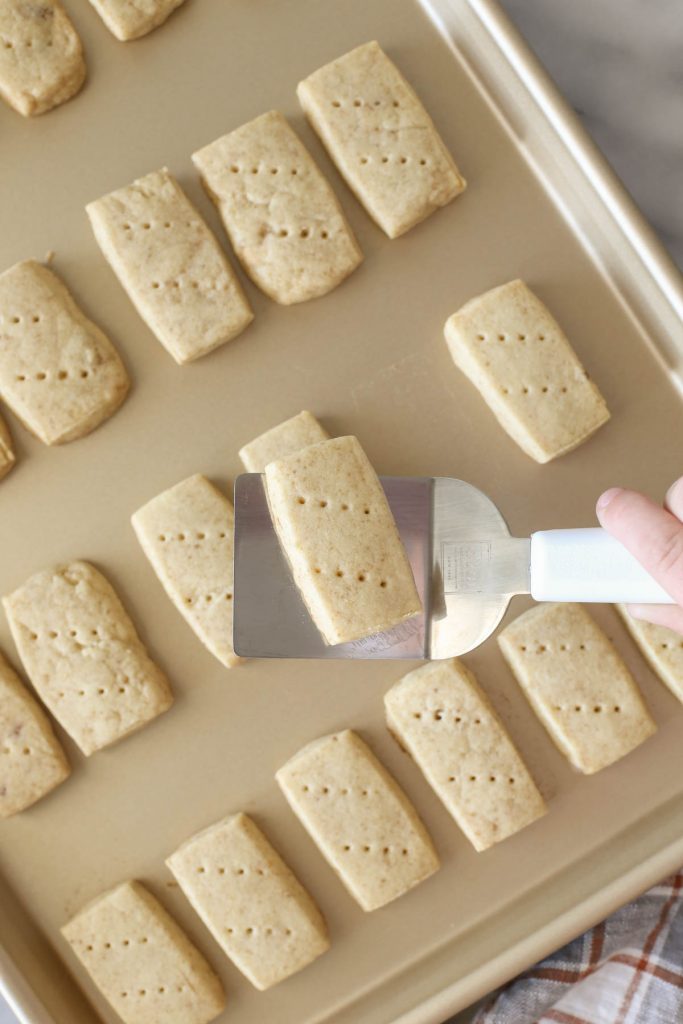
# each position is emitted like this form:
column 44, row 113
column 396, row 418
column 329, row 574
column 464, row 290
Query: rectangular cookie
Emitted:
column 59, row 373
column 283, row 219
column 577, row 684
column 337, row 531
column 81, row 652
column 142, row 961
column 187, row 534
column 662, row 648
column 170, row 264
column 7, row 456
column 517, row 356
column 439, row 714
column 291, row 436
column 383, row 141
column 32, row 761
column 41, row 57
column 253, row 905
column 130, row 19
column 359, row 818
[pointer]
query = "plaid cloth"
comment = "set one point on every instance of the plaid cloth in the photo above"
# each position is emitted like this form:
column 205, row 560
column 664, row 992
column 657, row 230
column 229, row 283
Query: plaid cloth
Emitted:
column 627, row 970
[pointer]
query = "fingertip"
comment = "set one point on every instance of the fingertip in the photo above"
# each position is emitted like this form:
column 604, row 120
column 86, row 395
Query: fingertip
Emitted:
column 674, row 497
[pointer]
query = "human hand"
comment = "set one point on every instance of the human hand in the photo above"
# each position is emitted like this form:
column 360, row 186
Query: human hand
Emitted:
column 655, row 536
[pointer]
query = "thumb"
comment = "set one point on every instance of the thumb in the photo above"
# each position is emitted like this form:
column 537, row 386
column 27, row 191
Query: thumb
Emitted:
column 652, row 534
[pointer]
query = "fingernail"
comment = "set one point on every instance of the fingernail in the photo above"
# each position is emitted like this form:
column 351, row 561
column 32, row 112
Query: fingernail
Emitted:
column 637, row 611
column 607, row 497
column 676, row 485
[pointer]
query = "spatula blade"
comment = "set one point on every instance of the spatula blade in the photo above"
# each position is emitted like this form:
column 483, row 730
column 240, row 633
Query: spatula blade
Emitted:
column 433, row 514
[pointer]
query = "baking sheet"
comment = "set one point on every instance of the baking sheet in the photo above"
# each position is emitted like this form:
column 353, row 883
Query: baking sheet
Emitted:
column 368, row 359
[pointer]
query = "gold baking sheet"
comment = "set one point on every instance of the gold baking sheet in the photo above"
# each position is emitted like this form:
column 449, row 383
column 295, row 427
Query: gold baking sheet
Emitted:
column 368, row 359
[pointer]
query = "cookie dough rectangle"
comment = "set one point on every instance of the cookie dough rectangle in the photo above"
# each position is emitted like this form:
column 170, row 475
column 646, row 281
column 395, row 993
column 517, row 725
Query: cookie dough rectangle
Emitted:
column 381, row 138
column 142, row 961
column 250, row 901
column 517, row 356
column 130, row 19
column 662, row 648
column 83, row 656
column 337, row 531
column 283, row 219
column 359, row 817
column 187, row 534
column 286, row 438
column 41, row 57
column 439, row 714
column 32, row 761
column 170, row 264
column 577, row 684
column 7, row 456
column 59, row 373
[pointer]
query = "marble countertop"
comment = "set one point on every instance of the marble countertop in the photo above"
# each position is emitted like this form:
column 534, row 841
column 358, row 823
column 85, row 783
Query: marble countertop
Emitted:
column 618, row 63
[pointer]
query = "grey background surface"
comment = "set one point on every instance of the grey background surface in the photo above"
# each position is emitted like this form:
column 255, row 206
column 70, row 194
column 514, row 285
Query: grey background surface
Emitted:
column 618, row 63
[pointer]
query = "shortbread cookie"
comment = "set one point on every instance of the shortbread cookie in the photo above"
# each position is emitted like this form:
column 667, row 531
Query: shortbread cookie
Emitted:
column 142, row 961
column 381, row 138
column 662, row 648
column 32, row 761
column 41, row 57
column 187, row 534
column 130, row 19
column 83, row 656
column 286, row 438
column 577, row 684
column 250, row 901
column 519, row 359
column 7, row 456
column 283, row 219
column 59, row 373
column 444, row 720
column 170, row 264
column 337, row 531
column 359, row 817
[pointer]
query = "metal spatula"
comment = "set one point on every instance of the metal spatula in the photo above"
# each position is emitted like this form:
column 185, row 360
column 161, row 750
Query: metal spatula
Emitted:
column 466, row 567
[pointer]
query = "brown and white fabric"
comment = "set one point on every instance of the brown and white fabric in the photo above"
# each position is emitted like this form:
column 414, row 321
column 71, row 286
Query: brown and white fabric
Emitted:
column 626, row 970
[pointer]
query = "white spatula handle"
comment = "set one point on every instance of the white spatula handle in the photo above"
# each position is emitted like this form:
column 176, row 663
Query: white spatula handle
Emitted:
column 589, row 565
